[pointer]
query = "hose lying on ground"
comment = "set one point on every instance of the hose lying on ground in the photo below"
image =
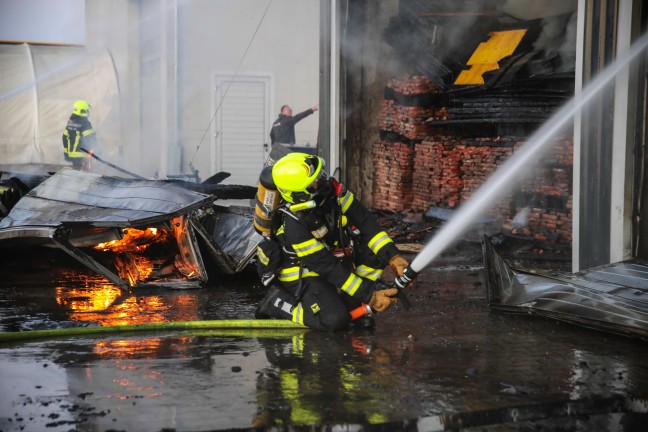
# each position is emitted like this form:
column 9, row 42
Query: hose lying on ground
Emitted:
column 233, row 324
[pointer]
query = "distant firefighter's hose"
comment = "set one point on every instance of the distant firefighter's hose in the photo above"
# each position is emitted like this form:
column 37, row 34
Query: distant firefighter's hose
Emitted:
column 234, row 326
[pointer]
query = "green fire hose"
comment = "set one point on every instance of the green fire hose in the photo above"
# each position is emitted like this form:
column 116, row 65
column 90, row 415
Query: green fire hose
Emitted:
column 237, row 327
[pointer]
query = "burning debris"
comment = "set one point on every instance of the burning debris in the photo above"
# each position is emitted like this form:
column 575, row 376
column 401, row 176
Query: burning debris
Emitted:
column 132, row 232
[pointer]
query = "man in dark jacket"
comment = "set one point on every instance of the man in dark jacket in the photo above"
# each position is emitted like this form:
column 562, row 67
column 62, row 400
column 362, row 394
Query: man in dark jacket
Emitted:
column 77, row 134
column 283, row 129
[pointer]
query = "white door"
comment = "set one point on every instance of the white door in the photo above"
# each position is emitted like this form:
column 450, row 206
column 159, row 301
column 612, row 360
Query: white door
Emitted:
column 241, row 135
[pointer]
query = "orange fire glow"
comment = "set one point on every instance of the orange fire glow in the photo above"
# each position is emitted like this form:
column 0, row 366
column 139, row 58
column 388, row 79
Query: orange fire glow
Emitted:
column 87, row 300
column 134, row 240
column 102, row 304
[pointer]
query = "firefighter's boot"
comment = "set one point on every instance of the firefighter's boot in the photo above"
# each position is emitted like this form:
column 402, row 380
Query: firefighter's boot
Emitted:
column 277, row 303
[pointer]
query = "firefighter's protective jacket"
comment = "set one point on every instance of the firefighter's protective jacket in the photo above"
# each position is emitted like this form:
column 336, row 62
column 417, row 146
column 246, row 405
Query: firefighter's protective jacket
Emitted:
column 309, row 256
column 78, row 133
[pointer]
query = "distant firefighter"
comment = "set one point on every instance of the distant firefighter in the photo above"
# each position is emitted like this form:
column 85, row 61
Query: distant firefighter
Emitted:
column 79, row 134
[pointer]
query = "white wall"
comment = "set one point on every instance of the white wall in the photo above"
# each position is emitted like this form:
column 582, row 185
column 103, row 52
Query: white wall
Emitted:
column 43, row 21
column 214, row 37
column 165, row 54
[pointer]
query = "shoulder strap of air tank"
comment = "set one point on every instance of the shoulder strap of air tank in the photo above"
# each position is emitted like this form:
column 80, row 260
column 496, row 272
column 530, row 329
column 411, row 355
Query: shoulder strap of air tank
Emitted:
column 283, row 208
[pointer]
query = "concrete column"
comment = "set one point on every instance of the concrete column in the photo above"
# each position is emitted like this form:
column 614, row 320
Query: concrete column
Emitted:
column 578, row 87
column 622, row 146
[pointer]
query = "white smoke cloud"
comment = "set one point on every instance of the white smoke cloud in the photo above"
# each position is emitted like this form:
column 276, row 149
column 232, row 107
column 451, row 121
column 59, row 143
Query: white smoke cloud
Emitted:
column 552, row 37
column 534, row 9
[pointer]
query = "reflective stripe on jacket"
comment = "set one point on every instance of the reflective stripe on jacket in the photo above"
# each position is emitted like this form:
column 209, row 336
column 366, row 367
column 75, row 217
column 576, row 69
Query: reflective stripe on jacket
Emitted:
column 315, row 256
column 78, row 133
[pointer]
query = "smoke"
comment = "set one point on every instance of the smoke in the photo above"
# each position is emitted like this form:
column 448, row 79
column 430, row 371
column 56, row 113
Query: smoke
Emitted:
column 551, row 37
column 558, row 33
column 569, row 42
column 363, row 50
column 533, row 9
column 521, row 219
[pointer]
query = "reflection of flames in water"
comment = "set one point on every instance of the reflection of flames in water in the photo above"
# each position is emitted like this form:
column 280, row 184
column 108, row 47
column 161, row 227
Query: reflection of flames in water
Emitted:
column 134, row 240
column 94, row 299
column 139, row 348
column 87, row 300
column 98, row 303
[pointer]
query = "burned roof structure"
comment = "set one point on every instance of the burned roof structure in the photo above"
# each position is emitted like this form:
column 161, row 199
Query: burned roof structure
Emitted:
column 133, row 232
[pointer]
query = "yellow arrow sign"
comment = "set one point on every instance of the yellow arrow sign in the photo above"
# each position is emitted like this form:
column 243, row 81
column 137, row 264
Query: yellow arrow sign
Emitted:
column 487, row 55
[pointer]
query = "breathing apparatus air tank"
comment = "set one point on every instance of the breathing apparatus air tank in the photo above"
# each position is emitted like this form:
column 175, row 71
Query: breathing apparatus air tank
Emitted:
column 267, row 201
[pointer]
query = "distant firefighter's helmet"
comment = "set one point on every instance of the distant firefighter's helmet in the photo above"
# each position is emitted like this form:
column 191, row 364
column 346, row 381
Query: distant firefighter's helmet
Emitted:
column 81, row 108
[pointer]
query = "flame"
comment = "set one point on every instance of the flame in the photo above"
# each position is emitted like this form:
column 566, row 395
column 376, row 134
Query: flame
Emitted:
column 134, row 240
column 87, row 163
column 93, row 299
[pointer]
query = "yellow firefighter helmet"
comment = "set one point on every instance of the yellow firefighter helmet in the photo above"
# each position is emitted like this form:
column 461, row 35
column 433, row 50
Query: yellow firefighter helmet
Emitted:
column 295, row 173
column 81, row 108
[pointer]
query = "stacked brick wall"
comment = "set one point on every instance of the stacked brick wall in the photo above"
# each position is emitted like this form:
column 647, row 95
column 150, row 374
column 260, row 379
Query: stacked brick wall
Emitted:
column 438, row 174
column 548, row 194
column 481, row 160
column 412, row 85
column 405, row 120
column 394, row 159
column 417, row 167
column 393, row 175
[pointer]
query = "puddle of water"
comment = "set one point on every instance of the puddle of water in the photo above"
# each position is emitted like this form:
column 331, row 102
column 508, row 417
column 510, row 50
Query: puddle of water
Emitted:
column 447, row 362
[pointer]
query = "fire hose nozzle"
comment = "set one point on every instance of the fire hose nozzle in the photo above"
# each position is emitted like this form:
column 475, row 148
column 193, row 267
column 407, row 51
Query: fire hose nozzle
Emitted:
column 401, row 282
column 408, row 276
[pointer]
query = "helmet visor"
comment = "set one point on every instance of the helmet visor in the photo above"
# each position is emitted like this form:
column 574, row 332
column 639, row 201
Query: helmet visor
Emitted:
column 320, row 185
column 314, row 165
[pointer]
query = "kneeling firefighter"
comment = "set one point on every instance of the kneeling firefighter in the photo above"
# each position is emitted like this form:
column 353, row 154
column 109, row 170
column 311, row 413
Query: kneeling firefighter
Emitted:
column 323, row 251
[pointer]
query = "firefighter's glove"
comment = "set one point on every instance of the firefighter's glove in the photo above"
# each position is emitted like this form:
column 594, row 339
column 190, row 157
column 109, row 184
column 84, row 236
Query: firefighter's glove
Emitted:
column 268, row 260
column 381, row 300
column 398, row 265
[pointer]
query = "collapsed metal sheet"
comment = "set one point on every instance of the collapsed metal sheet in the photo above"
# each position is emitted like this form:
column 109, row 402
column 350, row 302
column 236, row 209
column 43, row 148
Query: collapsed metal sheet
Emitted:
column 80, row 197
column 612, row 298
column 229, row 237
column 84, row 213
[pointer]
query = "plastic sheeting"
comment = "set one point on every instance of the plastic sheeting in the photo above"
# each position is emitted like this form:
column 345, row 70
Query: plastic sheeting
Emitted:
column 611, row 298
column 38, row 88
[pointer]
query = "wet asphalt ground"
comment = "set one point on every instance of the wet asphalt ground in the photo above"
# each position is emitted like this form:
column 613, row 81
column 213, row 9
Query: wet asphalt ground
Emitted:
column 449, row 363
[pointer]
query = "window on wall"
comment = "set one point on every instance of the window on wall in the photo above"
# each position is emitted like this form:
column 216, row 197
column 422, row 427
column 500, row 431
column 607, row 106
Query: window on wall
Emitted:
column 60, row 22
